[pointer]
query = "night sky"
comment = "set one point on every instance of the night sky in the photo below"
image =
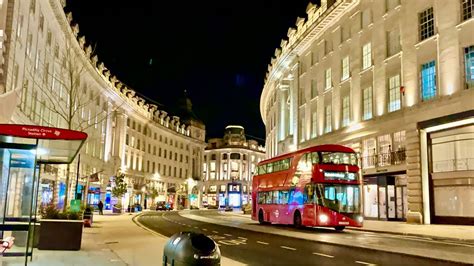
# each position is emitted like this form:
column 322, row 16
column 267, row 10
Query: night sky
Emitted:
column 217, row 51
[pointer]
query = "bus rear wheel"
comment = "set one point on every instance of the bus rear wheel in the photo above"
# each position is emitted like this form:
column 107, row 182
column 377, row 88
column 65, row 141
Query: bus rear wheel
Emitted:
column 339, row 228
column 297, row 220
column 260, row 217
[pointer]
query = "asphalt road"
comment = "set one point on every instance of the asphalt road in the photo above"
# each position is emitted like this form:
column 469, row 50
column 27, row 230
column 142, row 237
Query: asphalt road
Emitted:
column 255, row 248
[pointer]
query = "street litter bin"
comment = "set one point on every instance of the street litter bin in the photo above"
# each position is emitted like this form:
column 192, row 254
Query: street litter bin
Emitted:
column 189, row 248
column 88, row 217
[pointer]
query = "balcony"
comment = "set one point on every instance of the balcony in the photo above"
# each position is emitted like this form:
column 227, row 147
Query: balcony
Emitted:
column 384, row 159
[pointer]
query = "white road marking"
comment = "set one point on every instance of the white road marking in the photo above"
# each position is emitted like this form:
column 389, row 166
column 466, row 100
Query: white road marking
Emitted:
column 323, row 255
column 204, row 229
column 227, row 234
column 215, row 232
column 365, row 263
column 263, row 243
column 242, row 237
column 289, row 248
column 196, row 227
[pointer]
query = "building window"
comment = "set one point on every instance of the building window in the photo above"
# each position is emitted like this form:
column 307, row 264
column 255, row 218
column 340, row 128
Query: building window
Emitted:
column 346, row 32
column 345, row 68
column 314, row 125
column 367, row 103
column 393, row 42
column 327, row 47
column 302, row 125
column 328, row 82
column 301, row 99
column 314, row 89
column 328, row 127
column 469, row 65
column 428, row 80
column 391, row 4
column 426, row 23
column 366, row 56
column 345, row 111
column 366, row 17
column 394, row 102
column 467, row 9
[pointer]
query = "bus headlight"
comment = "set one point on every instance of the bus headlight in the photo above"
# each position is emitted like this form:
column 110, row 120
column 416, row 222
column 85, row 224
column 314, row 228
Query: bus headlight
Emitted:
column 323, row 218
column 360, row 219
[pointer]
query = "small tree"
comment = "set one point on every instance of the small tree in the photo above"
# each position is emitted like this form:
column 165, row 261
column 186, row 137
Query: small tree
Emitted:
column 120, row 187
column 66, row 95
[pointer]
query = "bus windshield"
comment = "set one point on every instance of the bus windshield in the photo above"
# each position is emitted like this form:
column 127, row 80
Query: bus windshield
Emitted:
column 339, row 197
column 339, row 158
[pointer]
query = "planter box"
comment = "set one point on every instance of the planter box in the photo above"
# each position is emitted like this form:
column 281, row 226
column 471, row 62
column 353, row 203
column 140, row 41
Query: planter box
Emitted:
column 60, row 235
column 116, row 210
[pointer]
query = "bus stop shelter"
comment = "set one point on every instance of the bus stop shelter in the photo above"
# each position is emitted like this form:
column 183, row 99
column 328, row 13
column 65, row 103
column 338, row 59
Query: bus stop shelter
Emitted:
column 23, row 148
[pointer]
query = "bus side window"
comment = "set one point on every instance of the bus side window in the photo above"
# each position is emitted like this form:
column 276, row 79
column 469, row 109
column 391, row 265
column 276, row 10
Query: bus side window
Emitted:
column 291, row 197
column 261, row 197
column 308, row 195
column 268, row 197
column 283, row 197
column 276, row 197
column 319, row 194
column 314, row 157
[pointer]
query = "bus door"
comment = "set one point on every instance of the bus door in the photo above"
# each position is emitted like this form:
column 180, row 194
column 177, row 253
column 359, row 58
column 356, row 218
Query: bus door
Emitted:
column 309, row 207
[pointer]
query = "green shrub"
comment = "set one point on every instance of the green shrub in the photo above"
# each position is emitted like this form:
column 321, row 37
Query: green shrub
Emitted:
column 51, row 212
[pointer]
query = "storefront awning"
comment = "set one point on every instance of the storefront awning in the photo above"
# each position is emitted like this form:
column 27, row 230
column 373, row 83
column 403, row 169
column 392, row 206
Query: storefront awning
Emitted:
column 52, row 145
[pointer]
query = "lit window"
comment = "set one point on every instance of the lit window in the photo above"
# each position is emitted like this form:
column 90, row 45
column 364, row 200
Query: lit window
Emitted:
column 345, row 111
column 345, row 68
column 469, row 65
column 467, row 9
column 428, row 80
column 302, row 125
column 328, row 82
column 426, row 23
column 367, row 103
column 314, row 125
column 328, row 126
column 366, row 56
column 394, row 102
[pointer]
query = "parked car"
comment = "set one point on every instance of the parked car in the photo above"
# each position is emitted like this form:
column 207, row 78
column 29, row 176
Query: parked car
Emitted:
column 163, row 206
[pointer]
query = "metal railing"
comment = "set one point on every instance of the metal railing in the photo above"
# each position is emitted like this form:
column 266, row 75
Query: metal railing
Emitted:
column 464, row 164
column 383, row 159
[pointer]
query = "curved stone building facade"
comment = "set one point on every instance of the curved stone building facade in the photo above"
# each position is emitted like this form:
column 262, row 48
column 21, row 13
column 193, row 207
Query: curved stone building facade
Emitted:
column 394, row 80
column 160, row 154
column 228, row 167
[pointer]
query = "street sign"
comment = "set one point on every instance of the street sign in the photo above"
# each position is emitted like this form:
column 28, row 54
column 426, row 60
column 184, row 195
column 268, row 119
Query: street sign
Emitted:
column 75, row 205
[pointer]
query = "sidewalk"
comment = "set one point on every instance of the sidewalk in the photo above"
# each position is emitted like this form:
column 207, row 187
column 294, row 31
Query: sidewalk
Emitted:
column 113, row 240
column 433, row 231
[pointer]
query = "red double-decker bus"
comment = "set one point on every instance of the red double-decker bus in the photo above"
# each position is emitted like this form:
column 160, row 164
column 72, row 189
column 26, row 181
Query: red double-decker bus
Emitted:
column 316, row 186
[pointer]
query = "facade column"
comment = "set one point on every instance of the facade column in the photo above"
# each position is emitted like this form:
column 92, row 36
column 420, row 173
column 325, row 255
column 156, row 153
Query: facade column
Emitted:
column 118, row 145
column 414, row 184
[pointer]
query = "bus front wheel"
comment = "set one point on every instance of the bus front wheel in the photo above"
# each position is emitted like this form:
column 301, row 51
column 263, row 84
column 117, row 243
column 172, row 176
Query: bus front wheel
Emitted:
column 339, row 228
column 297, row 220
column 260, row 217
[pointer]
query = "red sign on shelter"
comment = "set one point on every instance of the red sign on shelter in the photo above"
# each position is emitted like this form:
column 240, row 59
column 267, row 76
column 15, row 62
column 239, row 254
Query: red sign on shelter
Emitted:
column 40, row 132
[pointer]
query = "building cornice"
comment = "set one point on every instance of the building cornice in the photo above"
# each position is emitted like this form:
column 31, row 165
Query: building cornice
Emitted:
column 122, row 95
column 317, row 22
